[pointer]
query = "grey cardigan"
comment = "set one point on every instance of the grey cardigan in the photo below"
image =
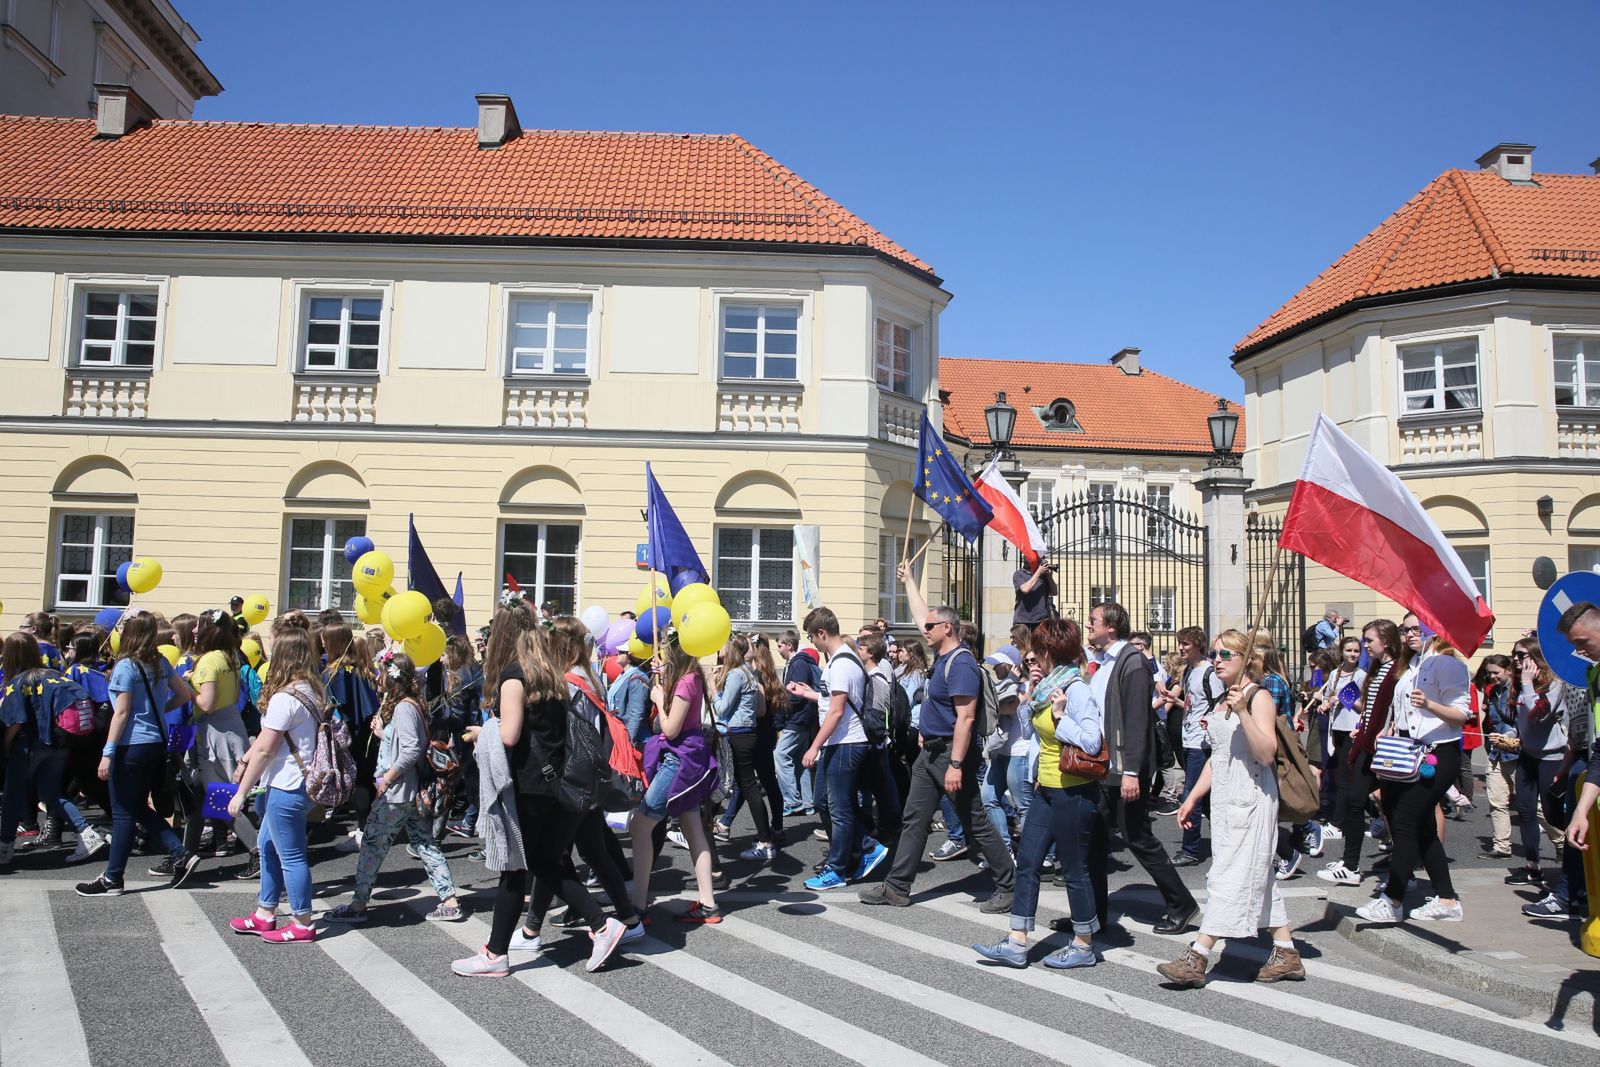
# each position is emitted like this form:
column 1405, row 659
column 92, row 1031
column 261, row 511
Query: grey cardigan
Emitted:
column 497, row 803
column 404, row 741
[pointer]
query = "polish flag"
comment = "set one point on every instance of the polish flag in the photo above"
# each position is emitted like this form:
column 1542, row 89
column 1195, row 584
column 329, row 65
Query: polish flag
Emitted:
column 1011, row 520
column 1351, row 514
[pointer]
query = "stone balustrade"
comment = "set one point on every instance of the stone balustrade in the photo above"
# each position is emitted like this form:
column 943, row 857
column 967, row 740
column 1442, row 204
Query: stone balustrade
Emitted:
column 318, row 400
column 899, row 419
column 756, row 408
column 1441, row 440
column 1578, row 434
column 545, row 405
column 96, row 395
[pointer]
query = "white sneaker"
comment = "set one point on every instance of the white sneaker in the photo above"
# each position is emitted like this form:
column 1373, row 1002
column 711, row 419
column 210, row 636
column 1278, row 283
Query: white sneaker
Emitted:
column 677, row 838
column 90, row 841
column 1436, row 910
column 350, row 844
column 1380, row 909
column 1331, row 832
column 605, row 943
column 521, row 942
column 1283, row 870
column 1337, row 873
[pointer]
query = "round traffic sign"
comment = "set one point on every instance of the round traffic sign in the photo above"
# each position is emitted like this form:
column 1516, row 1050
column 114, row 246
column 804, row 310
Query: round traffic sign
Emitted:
column 1558, row 651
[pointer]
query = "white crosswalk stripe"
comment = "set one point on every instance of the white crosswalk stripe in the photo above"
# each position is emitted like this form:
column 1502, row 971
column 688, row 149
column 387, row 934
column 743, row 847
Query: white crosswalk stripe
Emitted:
column 246, row 1028
column 39, row 1020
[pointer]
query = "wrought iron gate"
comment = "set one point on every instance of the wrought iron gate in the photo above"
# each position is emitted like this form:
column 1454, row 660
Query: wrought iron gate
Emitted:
column 963, row 576
column 1278, row 600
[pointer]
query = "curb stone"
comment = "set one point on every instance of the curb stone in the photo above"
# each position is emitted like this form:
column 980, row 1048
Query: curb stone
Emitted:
column 1399, row 945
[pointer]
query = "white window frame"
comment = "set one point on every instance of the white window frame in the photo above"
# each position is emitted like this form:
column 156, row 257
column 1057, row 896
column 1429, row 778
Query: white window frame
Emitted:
column 892, row 603
column 335, row 570
column 880, row 368
column 1158, row 531
column 1102, row 594
column 541, row 557
column 1485, row 588
column 1436, row 395
column 721, row 298
column 78, row 288
column 1586, row 366
column 511, row 292
column 755, row 588
column 1104, row 494
column 1165, row 597
column 1039, row 509
column 99, row 571
column 307, row 290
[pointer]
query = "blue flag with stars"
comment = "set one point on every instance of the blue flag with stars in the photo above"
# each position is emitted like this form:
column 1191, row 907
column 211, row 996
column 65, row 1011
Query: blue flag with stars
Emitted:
column 945, row 487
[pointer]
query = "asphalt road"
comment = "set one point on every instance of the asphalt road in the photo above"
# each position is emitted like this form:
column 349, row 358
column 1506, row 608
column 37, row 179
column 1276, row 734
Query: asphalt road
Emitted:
column 154, row 977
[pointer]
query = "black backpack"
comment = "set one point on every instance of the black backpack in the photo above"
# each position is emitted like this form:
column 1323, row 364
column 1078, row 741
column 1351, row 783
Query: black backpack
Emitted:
column 875, row 725
column 583, row 780
column 888, row 718
column 1309, row 642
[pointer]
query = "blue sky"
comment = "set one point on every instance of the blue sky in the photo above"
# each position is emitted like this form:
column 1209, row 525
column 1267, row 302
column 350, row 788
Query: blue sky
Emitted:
column 1084, row 177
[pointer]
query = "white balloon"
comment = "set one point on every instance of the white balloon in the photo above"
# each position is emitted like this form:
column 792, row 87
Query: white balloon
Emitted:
column 596, row 618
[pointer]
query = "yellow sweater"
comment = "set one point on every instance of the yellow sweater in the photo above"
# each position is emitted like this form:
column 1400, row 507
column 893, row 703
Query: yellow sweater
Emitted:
column 1050, row 776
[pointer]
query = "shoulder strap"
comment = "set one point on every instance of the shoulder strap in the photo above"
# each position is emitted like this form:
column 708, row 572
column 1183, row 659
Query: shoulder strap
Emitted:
column 845, row 653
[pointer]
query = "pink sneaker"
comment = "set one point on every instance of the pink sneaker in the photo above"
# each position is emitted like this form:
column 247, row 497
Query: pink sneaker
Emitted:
column 253, row 925
column 483, row 965
column 290, row 931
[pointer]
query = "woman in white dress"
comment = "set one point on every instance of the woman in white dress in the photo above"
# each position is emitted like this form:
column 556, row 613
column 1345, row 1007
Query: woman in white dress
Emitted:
column 1241, row 779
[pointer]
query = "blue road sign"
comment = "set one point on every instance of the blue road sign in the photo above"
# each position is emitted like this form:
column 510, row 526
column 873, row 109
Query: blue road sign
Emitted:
column 1558, row 651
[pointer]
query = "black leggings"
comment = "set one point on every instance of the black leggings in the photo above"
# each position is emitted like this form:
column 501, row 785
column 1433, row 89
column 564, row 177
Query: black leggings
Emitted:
column 599, row 848
column 1535, row 779
column 364, row 747
column 747, row 769
column 548, row 830
column 1355, row 786
column 1410, row 810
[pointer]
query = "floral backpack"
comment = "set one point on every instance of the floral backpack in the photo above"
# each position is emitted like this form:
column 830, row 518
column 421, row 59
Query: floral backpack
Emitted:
column 332, row 774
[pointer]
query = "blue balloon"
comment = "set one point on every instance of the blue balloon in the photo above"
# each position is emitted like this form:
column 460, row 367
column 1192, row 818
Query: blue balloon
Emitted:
column 122, row 577
column 684, row 578
column 645, row 628
column 107, row 618
column 357, row 547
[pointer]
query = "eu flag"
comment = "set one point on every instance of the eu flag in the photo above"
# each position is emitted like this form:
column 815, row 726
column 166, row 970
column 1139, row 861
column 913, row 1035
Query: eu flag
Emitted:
column 945, row 487
column 671, row 551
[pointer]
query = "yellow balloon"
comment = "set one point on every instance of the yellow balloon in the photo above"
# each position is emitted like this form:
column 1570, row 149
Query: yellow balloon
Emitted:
column 638, row 650
column 426, row 648
column 689, row 596
column 265, row 666
column 252, row 651
column 372, row 574
column 406, row 615
column 116, row 641
column 705, row 629
column 369, row 611
column 256, row 609
column 170, row 652
column 658, row 597
column 144, row 574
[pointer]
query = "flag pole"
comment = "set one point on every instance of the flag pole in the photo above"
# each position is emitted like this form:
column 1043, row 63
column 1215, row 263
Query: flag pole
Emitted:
column 905, row 542
column 1255, row 620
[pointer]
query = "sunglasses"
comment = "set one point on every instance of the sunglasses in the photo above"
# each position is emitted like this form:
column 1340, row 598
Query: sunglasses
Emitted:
column 1223, row 654
column 927, row 627
column 1519, row 655
column 1411, row 629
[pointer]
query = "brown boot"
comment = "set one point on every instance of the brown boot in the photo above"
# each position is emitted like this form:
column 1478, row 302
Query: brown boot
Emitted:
column 1282, row 966
column 1188, row 971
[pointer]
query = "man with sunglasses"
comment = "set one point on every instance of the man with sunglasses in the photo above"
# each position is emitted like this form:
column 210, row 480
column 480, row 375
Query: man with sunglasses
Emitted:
column 948, row 762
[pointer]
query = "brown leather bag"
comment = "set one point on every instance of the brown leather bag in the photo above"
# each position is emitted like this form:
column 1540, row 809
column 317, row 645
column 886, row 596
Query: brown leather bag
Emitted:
column 1078, row 763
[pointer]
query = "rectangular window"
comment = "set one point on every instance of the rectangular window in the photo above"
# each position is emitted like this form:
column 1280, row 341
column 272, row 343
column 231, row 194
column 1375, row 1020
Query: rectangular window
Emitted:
column 761, row 341
column 1476, row 560
column 1441, row 377
column 892, row 604
column 547, row 335
column 1577, row 367
column 891, row 347
column 1101, row 594
column 90, row 548
column 1100, row 518
column 543, row 558
column 342, row 332
column 1163, row 608
column 1041, row 498
column 1158, row 524
column 118, row 329
column 1583, row 558
column 755, row 573
column 319, row 577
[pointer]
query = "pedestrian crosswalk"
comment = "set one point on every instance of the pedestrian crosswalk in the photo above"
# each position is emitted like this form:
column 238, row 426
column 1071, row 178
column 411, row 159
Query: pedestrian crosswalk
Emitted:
column 788, row 977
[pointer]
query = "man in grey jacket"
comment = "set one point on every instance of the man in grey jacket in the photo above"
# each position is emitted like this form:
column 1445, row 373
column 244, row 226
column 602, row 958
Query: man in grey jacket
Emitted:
column 1122, row 683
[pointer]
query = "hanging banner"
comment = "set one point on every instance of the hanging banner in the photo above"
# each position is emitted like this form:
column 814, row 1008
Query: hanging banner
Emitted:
column 807, row 555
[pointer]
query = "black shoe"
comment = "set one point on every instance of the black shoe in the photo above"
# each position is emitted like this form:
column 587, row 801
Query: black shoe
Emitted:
column 1525, row 876
column 719, row 879
column 1177, row 922
column 183, row 866
column 1168, row 807
column 1187, row 859
column 100, row 887
column 252, row 869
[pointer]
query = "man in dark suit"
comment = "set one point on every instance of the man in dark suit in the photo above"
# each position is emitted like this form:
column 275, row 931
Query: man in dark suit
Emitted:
column 1122, row 683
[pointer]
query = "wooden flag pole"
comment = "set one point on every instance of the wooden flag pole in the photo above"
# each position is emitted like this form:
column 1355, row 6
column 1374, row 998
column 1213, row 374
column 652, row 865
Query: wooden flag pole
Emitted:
column 655, row 631
column 920, row 551
column 905, row 542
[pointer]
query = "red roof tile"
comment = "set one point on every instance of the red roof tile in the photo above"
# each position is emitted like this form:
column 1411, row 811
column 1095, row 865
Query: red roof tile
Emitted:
column 1145, row 412
column 261, row 178
column 1464, row 226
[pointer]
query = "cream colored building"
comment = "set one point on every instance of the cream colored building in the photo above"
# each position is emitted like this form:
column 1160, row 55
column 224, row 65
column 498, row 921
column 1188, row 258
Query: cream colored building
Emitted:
column 281, row 336
column 1460, row 343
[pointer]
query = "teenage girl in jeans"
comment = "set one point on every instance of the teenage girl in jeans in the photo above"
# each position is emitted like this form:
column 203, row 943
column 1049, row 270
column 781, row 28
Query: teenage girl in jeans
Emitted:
column 134, row 760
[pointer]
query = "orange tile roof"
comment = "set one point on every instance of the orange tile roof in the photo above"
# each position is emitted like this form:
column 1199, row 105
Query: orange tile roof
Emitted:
column 1145, row 412
column 1465, row 226
column 425, row 182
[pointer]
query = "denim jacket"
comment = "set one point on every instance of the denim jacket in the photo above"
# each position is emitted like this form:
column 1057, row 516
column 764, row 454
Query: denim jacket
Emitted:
column 629, row 699
column 1499, row 717
column 739, row 701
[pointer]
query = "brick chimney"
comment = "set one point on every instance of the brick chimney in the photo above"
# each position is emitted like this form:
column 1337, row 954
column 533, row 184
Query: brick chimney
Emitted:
column 497, row 120
column 118, row 110
column 1513, row 162
column 1127, row 361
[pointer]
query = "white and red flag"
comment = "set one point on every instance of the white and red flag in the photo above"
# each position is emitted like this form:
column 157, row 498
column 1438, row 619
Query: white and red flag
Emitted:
column 1011, row 520
column 1351, row 514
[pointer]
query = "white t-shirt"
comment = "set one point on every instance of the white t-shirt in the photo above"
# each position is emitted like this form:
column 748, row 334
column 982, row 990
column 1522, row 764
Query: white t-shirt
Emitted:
column 286, row 713
column 843, row 674
column 1202, row 695
column 1018, row 727
column 1443, row 679
column 1342, row 717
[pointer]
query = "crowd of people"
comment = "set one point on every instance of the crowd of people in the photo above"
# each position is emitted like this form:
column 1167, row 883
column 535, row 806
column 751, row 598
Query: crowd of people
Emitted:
column 200, row 738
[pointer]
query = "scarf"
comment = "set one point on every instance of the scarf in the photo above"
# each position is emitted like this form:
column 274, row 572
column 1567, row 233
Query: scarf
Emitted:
column 1048, row 685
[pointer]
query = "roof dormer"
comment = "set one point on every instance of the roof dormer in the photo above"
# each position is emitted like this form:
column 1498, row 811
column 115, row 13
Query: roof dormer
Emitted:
column 1060, row 415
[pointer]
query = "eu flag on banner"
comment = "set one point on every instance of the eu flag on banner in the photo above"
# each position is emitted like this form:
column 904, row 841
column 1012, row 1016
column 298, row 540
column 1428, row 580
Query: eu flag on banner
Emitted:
column 671, row 551
column 945, row 487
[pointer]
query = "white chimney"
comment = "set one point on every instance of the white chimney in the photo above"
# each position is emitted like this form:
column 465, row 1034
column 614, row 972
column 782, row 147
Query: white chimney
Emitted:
column 1513, row 162
column 497, row 120
column 118, row 110
column 1127, row 361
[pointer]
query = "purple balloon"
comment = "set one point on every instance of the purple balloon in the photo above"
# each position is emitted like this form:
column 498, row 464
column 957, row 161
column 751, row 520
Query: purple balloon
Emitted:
column 685, row 578
column 616, row 637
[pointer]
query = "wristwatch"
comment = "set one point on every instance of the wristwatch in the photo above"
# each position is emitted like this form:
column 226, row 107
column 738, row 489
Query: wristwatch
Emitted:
column 956, row 764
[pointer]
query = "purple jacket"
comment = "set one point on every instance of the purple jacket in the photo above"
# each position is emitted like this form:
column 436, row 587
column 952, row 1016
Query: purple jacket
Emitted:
column 697, row 768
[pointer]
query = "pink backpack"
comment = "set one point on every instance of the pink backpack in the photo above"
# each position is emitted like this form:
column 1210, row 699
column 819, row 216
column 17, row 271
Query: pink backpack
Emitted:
column 332, row 774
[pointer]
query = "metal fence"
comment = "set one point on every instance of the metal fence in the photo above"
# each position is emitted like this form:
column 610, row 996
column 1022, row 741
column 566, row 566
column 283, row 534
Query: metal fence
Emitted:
column 1278, row 599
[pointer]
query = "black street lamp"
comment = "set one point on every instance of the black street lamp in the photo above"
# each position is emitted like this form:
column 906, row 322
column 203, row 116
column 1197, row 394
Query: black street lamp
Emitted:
column 1001, row 418
column 1224, row 424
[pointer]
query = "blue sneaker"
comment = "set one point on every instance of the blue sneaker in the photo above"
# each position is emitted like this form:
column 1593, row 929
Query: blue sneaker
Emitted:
column 828, row 879
column 1004, row 951
column 1313, row 839
column 870, row 859
column 1073, row 956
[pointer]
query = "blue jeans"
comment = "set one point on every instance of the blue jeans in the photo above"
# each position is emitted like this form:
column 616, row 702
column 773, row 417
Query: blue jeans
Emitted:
column 1194, row 761
column 41, row 768
column 1570, row 885
column 1005, row 774
column 1065, row 819
column 952, row 823
column 794, row 781
column 654, row 804
column 841, row 769
column 136, row 770
column 283, row 850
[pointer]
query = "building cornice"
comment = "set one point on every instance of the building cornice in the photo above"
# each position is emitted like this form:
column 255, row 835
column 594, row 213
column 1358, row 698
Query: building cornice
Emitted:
column 158, row 33
column 1537, row 465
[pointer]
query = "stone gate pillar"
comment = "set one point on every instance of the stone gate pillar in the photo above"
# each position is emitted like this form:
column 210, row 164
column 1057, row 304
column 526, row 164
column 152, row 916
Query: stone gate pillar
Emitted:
column 1222, row 490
